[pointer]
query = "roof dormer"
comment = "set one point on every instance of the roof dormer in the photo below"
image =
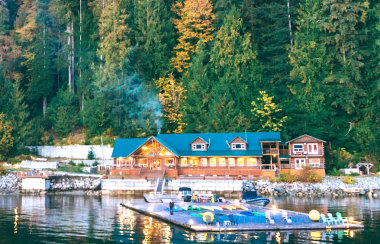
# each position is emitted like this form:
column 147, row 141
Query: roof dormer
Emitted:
column 199, row 144
column 238, row 144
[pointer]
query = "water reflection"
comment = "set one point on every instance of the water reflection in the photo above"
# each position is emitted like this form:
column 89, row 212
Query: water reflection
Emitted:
column 85, row 219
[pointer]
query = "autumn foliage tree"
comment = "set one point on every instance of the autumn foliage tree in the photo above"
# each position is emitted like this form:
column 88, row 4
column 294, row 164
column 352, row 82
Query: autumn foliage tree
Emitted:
column 194, row 25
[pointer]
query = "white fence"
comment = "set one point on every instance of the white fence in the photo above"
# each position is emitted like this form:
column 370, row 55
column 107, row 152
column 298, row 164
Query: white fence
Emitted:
column 38, row 165
column 75, row 151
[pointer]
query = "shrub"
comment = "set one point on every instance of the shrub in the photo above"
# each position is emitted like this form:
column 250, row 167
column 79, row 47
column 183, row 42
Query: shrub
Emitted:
column 81, row 164
column 13, row 161
column 3, row 170
column 272, row 180
column 96, row 163
column 334, row 172
column 71, row 163
column 349, row 180
column 354, row 174
column 314, row 178
column 287, row 178
column 91, row 154
column 34, row 151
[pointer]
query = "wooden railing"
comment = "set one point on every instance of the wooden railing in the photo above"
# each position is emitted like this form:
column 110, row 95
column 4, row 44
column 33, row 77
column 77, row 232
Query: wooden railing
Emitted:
column 268, row 151
column 285, row 166
column 284, row 151
column 268, row 167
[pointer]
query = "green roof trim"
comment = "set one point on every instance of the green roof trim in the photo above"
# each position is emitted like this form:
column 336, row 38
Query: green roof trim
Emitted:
column 284, row 156
column 303, row 136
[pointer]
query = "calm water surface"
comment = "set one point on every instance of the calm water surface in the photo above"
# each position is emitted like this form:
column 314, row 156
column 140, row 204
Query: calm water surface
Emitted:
column 85, row 219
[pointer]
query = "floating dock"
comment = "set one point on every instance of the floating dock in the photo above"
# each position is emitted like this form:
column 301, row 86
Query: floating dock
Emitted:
column 300, row 221
column 164, row 198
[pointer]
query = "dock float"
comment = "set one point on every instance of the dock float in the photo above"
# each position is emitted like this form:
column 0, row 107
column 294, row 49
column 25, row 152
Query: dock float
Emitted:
column 257, row 222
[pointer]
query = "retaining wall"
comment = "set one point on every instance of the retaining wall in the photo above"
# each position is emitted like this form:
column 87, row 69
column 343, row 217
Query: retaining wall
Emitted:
column 110, row 186
column 74, row 151
column 29, row 184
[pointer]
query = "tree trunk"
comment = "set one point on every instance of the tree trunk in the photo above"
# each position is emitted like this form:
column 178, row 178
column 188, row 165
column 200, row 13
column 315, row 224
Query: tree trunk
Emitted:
column 44, row 106
column 72, row 58
column 290, row 27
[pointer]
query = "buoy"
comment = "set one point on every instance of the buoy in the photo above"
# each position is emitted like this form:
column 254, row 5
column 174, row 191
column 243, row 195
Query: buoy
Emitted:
column 314, row 215
column 209, row 214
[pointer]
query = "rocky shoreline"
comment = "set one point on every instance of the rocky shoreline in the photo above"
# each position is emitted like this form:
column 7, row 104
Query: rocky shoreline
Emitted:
column 11, row 185
column 369, row 186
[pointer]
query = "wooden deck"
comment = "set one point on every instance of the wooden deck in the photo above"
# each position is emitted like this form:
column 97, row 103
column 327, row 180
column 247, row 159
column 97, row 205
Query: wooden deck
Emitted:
column 301, row 221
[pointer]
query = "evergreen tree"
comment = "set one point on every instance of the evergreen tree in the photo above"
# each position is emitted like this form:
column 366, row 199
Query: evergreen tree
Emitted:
column 18, row 114
column 235, row 70
column 95, row 115
column 155, row 37
column 197, row 86
column 63, row 113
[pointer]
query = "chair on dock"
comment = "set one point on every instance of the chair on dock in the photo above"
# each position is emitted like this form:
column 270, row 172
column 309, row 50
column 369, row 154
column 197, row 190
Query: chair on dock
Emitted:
column 341, row 219
column 332, row 219
column 285, row 217
column 268, row 217
column 233, row 219
column 325, row 220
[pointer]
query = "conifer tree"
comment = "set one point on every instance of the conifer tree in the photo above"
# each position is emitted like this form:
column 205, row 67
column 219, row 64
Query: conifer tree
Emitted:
column 155, row 37
column 62, row 112
column 194, row 25
column 197, row 86
column 234, row 67
column 18, row 114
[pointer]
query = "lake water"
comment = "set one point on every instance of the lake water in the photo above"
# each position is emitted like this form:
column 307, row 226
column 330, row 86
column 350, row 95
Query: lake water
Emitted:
column 86, row 219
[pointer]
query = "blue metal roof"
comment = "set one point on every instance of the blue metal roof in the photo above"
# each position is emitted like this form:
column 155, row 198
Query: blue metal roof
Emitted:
column 179, row 144
column 284, row 156
column 124, row 147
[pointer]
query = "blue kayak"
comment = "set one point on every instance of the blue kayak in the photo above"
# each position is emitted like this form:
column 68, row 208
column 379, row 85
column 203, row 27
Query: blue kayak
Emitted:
column 246, row 213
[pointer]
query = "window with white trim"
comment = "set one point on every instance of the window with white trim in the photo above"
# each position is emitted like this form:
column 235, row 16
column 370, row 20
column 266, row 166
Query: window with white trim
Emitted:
column 238, row 146
column 312, row 148
column 199, row 146
column 222, row 162
column 297, row 148
column 204, row 162
column 212, row 162
column 183, row 162
column 169, row 161
column 300, row 163
column 143, row 162
column 314, row 162
column 231, row 162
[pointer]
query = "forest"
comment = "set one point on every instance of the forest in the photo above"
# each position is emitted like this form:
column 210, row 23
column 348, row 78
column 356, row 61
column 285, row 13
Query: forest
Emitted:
column 134, row 68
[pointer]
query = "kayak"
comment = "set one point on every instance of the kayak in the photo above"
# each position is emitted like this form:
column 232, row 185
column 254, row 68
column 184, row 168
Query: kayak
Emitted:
column 196, row 215
column 216, row 208
column 240, row 207
column 232, row 207
column 175, row 209
column 195, row 207
column 207, row 208
column 225, row 207
column 257, row 213
column 246, row 213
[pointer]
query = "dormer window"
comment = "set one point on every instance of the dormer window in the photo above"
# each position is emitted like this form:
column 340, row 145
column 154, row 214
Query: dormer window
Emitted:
column 199, row 146
column 238, row 146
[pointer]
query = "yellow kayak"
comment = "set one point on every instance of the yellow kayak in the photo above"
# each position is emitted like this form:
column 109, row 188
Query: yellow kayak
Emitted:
column 207, row 208
column 225, row 207
column 240, row 207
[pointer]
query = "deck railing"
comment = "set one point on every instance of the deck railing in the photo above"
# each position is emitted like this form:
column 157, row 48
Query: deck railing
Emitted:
column 284, row 151
column 268, row 151
column 268, row 167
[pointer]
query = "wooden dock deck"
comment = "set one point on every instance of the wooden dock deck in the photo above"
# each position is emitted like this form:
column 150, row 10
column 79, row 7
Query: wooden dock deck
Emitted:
column 300, row 221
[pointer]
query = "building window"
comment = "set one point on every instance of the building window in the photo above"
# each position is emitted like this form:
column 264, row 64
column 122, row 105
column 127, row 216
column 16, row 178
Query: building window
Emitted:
column 199, row 146
column 252, row 162
column 193, row 162
column 240, row 162
column 183, row 162
column 212, row 162
column 312, row 148
column 222, row 162
column 314, row 162
column 204, row 162
column 144, row 162
column 231, row 162
column 297, row 148
column 169, row 161
column 300, row 163
column 238, row 146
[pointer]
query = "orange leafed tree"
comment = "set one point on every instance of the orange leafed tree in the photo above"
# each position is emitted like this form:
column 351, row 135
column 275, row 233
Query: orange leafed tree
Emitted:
column 194, row 24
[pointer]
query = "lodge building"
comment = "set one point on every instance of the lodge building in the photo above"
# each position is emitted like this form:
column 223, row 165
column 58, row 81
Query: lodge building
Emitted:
column 216, row 154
